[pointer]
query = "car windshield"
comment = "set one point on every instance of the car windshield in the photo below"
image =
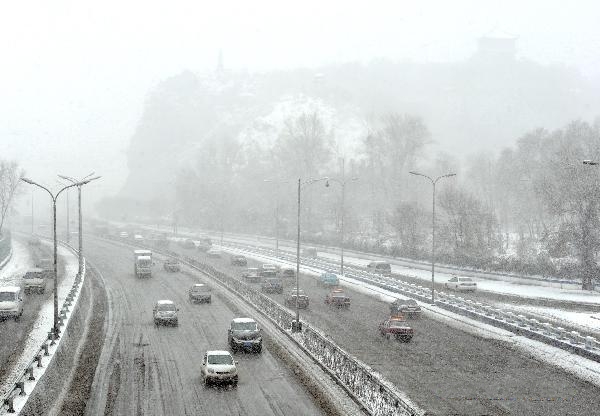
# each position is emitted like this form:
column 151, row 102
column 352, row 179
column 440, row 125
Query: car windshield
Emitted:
column 397, row 324
column 7, row 296
column 411, row 302
column 199, row 288
column 225, row 359
column 244, row 326
column 145, row 262
column 383, row 266
column 166, row 307
column 465, row 279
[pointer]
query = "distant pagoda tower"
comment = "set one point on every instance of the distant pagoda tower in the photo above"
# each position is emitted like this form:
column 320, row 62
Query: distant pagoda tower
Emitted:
column 497, row 46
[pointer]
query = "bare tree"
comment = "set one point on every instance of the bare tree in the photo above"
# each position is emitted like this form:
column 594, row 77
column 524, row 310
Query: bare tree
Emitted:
column 9, row 181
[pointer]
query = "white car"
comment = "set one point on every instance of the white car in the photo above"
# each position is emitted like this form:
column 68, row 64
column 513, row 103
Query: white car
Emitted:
column 219, row 366
column 461, row 284
column 11, row 302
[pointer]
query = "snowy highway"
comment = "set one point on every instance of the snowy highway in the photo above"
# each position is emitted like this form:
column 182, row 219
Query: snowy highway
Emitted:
column 156, row 370
column 446, row 370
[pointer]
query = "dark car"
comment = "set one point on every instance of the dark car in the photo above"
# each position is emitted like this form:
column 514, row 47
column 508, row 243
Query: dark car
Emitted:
column 396, row 327
column 239, row 261
column 272, row 285
column 35, row 280
column 337, row 298
column 243, row 333
column 287, row 272
column 290, row 299
column 200, row 293
column 407, row 307
column 172, row 266
column 251, row 275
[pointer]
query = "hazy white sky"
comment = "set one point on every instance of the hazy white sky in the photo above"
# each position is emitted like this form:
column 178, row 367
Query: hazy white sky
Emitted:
column 74, row 73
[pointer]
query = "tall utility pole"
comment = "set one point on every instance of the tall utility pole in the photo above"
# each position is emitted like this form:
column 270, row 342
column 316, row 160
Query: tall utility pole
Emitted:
column 68, row 231
column 297, row 326
column 433, row 182
column 32, row 228
column 342, row 183
column 79, row 184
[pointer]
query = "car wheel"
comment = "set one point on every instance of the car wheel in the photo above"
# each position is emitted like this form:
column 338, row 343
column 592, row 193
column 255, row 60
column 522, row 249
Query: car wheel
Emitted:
column 259, row 348
column 387, row 336
column 234, row 382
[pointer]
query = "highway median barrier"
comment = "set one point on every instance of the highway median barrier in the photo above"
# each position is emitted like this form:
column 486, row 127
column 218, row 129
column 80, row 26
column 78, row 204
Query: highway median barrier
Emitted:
column 520, row 324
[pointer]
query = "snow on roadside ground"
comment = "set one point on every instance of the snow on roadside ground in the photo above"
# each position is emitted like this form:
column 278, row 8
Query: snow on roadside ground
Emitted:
column 589, row 321
column 21, row 261
column 44, row 321
column 580, row 367
column 508, row 286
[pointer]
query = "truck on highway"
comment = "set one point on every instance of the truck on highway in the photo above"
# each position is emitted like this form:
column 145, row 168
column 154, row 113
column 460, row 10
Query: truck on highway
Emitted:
column 142, row 263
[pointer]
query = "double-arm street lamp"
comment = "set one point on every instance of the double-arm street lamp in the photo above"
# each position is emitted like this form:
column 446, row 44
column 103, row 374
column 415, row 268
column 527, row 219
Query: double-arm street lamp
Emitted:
column 342, row 182
column 277, row 183
column 296, row 325
column 433, row 182
column 79, row 183
column 56, row 329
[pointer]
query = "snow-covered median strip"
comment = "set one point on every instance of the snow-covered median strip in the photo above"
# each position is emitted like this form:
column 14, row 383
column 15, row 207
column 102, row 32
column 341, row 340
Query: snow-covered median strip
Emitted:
column 581, row 367
column 39, row 336
column 16, row 265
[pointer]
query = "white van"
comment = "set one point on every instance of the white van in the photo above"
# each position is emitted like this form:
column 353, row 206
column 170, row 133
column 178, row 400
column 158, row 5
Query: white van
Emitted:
column 11, row 302
column 380, row 267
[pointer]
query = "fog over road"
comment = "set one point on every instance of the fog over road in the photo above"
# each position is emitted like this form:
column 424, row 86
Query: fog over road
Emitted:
column 156, row 370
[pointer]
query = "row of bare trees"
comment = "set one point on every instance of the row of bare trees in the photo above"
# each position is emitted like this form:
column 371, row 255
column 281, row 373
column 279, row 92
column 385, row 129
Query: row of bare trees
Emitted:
column 10, row 176
column 520, row 210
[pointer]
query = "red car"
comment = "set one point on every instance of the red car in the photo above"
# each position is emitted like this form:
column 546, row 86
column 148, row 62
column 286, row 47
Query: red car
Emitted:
column 337, row 298
column 396, row 327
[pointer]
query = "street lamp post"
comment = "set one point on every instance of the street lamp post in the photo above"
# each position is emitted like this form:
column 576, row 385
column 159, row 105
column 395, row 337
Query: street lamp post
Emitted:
column 342, row 183
column 79, row 184
column 56, row 329
column 433, row 182
column 296, row 325
column 276, row 182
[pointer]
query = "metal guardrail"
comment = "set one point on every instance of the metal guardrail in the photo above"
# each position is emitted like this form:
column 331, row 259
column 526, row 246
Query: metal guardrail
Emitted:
column 421, row 264
column 35, row 367
column 377, row 396
column 521, row 324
